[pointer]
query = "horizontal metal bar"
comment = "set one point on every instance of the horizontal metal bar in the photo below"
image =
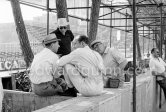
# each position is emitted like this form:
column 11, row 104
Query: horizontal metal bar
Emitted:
column 115, row 6
column 132, row 18
column 146, row 33
column 112, row 12
column 139, row 25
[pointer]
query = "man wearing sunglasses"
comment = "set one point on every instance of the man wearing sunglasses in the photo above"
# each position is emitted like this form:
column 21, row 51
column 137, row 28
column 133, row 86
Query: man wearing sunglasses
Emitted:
column 66, row 36
column 157, row 67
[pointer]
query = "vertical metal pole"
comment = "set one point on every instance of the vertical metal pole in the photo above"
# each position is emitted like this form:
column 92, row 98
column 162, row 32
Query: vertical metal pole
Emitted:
column 143, row 41
column 87, row 12
column 153, row 39
column 111, row 26
column 149, row 40
column 161, row 45
column 126, row 34
column 134, row 55
column 161, row 36
column 47, row 17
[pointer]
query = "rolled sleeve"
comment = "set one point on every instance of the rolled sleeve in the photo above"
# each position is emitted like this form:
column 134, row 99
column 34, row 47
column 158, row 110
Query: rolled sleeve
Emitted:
column 118, row 56
column 66, row 59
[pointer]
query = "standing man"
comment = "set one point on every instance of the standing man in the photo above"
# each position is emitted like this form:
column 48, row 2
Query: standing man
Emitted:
column 65, row 35
column 157, row 67
column 114, row 62
column 84, row 68
column 43, row 72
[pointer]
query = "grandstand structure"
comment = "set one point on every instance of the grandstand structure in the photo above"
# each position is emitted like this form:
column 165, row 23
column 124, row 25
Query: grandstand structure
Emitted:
column 10, row 51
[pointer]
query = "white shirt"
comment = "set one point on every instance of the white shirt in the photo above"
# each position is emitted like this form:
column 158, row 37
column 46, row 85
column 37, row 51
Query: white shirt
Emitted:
column 89, row 63
column 157, row 64
column 113, row 59
column 43, row 66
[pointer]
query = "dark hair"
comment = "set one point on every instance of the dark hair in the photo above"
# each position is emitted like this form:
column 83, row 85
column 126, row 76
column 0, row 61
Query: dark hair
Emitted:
column 153, row 50
column 83, row 38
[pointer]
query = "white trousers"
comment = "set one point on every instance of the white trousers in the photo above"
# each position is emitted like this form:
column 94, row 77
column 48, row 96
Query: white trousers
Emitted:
column 87, row 86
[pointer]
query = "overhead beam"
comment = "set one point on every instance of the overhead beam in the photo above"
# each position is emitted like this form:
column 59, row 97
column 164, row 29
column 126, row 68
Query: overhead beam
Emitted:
column 114, row 6
column 119, row 9
column 45, row 9
column 132, row 18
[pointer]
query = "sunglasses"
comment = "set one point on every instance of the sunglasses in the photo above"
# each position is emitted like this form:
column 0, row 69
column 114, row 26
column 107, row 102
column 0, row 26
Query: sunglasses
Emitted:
column 62, row 27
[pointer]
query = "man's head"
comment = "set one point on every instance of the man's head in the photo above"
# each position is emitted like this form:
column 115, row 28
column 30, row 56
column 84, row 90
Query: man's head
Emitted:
column 155, row 52
column 98, row 46
column 51, row 42
column 62, row 25
column 80, row 41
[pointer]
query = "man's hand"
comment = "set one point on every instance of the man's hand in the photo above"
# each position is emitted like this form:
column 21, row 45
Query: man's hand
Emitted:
column 60, row 71
column 163, row 75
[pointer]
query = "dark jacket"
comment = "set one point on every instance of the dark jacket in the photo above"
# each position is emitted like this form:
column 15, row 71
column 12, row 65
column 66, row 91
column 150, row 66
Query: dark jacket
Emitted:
column 65, row 43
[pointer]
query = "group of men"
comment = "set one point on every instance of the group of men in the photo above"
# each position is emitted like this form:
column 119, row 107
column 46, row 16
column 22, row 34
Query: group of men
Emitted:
column 58, row 70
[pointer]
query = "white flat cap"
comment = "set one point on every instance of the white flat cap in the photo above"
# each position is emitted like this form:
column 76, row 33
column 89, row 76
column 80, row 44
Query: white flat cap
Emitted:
column 95, row 42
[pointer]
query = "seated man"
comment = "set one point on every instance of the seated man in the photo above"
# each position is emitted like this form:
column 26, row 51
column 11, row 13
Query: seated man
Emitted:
column 114, row 62
column 84, row 68
column 45, row 80
column 157, row 66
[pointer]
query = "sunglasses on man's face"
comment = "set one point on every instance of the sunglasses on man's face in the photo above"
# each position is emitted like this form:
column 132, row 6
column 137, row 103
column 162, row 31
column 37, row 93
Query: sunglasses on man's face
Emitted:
column 62, row 27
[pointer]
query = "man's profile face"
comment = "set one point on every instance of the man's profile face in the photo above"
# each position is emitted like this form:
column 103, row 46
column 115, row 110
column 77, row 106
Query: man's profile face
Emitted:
column 99, row 47
column 156, row 53
column 55, row 46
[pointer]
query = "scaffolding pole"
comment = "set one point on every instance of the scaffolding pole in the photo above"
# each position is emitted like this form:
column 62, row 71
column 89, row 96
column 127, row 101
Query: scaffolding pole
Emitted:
column 134, row 54
column 126, row 34
column 87, row 16
column 111, row 26
column 143, row 41
column 47, row 3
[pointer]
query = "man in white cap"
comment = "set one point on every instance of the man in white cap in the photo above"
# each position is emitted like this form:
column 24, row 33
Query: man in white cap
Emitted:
column 43, row 72
column 114, row 62
column 65, row 35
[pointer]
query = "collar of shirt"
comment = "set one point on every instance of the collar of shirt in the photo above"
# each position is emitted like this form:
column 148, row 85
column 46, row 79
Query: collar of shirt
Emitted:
column 47, row 50
column 87, row 47
column 154, row 58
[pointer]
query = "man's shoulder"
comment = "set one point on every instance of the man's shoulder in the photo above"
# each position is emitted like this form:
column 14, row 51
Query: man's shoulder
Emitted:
column 69, row 32
column 80, row 51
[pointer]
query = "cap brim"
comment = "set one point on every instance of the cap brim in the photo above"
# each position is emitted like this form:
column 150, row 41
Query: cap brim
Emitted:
column 95, row 42
column 63, row 24
column 51, row 41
